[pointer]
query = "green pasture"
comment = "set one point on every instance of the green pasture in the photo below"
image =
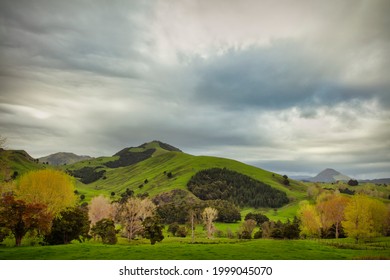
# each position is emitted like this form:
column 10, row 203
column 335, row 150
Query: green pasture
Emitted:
column 204, row 249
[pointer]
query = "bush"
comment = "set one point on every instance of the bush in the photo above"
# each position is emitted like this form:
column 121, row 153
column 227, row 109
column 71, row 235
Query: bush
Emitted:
column 182, row 231
column 258, row 234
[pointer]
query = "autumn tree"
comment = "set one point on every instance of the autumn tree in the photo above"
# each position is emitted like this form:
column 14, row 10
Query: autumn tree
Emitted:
column 19, row 217
column 310, row 220
column 364, row 217
column 208, row 216
column 100, row 208
column 331, row 212
column 247, row 227
column 132, row 213
column 51, row 187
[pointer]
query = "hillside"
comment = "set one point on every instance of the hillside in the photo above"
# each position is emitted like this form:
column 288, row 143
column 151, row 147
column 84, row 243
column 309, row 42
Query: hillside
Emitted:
column 13, row 163
column 162, row 170
column 328, row 176
column 62, row 158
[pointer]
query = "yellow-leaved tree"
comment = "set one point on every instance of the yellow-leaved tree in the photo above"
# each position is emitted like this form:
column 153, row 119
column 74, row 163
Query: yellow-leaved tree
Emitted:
column 364, row 217
column 310, row 220
column 50, row 187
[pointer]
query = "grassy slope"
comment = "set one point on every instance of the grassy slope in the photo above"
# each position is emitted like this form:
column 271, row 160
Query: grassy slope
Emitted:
column 218, row 249
column 183, row 167
column 20, row 161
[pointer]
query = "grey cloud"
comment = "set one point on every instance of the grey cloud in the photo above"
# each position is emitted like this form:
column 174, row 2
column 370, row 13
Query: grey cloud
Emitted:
column 275, row 78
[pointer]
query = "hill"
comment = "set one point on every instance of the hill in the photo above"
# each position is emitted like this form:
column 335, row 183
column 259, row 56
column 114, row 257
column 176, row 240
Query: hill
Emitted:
column 155, row 168
column 328, row 176
column 62, row 158
column 13, row 163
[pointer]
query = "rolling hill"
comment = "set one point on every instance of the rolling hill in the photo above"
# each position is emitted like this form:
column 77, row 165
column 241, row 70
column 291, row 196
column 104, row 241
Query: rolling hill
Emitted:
column 16, row 162
column 156, row 167
column 62, row 158
column 153, row 168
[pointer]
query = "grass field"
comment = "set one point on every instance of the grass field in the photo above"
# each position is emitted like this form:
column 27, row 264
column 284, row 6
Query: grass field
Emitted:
column 202, row 249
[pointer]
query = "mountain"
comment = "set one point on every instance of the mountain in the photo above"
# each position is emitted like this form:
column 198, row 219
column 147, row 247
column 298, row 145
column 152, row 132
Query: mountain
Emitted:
column 328, row 176
column 376, row 181
column 62, row 158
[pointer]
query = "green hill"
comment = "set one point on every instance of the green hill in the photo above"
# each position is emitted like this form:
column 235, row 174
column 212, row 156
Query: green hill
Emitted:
column 151, row 168
column 13, row 163
column 156, row 167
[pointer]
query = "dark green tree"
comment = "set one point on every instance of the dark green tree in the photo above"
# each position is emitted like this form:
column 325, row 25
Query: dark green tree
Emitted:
column 258, row 217
column 105, row 229
column 153, row 229
column 71, row 224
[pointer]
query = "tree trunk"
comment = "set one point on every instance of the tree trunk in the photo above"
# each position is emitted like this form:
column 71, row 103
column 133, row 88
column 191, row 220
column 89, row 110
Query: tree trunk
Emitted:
column 18, row 240
column 337, row 230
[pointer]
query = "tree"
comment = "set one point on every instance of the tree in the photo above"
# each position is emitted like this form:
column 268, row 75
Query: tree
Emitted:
column 19, row 217
column 208, row 216
column 51, row 187
column 100, row 208
column 248, row 226
column 310, row 220
column 331, row 211
column 364, row 217
column 353, row 182
column 132, row 213
column 153, row 229
column 3, row 142
column 105, row 229
column 258, row 217
column 71, row 224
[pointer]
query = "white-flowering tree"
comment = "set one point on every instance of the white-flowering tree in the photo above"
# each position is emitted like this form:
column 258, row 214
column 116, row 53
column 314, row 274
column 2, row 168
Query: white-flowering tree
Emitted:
column 100, row 208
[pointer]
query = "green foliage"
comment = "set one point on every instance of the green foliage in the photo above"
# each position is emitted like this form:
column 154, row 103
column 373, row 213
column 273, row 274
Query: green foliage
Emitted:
column 227, row 211
column 217, row 183
column 258, row 217
column 128, row 157
column 280, row 230
column 353, row 182
column 71, row 224
column 153, row 229
column 87, row 175
column 105, row 229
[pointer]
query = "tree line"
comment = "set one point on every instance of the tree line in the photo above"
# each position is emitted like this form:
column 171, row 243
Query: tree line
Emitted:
column 242, row 190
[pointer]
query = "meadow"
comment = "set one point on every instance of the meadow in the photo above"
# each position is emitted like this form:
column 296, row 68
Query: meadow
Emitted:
column 173, row 248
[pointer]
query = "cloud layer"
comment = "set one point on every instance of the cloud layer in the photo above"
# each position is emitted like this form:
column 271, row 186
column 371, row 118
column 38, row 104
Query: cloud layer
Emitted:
column 290, row 87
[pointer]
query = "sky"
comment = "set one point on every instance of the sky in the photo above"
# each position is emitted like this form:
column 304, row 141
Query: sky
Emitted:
column 293, row 87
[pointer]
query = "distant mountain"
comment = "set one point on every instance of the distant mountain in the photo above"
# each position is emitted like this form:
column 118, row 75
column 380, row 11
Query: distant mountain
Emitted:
column 328, row 176
column 376, row 181
column 63, row 158
column 300, row 178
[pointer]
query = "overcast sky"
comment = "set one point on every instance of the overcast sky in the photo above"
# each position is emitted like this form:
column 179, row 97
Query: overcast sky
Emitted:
column 290, row 86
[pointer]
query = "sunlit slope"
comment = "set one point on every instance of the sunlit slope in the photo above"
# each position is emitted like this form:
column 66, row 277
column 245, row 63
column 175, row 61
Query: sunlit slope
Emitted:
column 155, row 172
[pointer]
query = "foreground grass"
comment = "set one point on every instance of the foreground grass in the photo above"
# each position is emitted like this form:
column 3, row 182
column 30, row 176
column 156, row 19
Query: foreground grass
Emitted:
column 217, row 249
